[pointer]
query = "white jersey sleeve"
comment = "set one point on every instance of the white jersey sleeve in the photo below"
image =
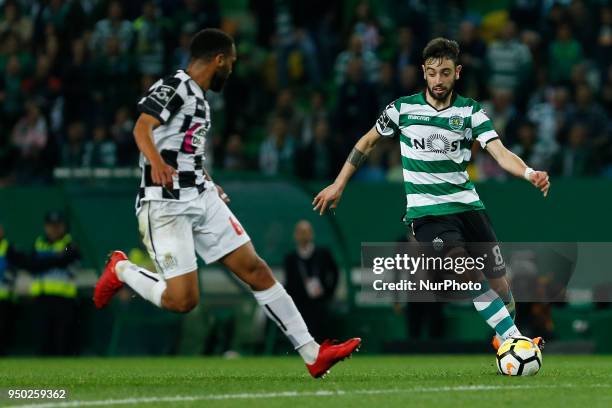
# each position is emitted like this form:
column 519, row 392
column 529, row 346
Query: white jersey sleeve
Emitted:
column 482, row 127
column 164, row 98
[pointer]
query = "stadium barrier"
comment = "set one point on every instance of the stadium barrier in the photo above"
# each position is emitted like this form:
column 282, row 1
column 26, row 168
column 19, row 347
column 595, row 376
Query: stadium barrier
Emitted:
column 100, row 209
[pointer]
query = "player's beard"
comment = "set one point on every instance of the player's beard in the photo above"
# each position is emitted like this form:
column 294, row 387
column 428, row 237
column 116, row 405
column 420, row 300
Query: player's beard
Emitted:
column 442, row 96
column 217, row 82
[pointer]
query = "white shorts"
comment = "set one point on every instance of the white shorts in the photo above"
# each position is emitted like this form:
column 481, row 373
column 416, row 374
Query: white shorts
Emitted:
column 174, row 231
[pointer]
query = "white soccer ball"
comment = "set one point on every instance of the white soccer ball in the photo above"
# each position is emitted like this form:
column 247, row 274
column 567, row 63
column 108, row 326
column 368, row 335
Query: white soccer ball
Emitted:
column 519, row 356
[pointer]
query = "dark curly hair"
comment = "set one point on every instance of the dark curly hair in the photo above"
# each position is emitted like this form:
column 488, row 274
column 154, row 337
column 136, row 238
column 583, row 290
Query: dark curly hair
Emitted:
column 440, row 48
column 210, row 42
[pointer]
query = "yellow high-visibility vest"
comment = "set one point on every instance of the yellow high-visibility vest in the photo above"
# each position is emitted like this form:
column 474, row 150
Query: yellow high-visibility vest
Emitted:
column 55, row 281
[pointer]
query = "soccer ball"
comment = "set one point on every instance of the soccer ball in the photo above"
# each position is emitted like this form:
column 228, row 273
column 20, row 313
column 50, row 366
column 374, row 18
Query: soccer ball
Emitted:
column 519, row 356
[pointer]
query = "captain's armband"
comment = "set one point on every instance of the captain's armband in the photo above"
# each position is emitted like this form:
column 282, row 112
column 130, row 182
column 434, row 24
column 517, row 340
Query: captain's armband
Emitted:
column 357, row 157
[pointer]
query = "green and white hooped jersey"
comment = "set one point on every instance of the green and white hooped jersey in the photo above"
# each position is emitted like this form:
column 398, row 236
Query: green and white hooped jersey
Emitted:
column 436, row 149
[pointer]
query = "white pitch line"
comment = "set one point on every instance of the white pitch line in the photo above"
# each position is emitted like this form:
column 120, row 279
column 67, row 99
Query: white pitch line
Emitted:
column 292, row 394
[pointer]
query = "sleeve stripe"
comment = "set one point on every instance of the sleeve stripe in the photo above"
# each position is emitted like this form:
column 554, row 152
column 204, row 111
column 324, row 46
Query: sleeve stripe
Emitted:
column 144, row 108
column 393, row 114
column 486, row 137
column 479, row 118
column 491, row 139
column 388, row 132
column 482, row 128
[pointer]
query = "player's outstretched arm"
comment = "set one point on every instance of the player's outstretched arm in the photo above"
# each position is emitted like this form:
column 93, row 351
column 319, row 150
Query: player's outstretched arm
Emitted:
column 161, row 172
column 330, row 195
column 516, row 166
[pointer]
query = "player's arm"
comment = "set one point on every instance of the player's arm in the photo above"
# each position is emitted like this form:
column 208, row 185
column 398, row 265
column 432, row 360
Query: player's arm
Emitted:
column 161, row 172
column 517, row 167
column 332, row 193
column 164, row 99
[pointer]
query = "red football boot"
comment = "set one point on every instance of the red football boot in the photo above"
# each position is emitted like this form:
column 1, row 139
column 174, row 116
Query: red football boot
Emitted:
column 109, row 283
column 330, row 353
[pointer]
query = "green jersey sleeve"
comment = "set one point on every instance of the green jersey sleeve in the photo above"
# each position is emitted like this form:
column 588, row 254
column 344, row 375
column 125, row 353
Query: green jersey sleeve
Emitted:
column 482, row 127
column 387, row 124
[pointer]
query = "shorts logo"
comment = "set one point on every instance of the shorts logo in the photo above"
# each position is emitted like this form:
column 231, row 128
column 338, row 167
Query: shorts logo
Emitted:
column 455, row 122
column 169, row 261
column 438, row 244
column 237, row 227
column 162, row 94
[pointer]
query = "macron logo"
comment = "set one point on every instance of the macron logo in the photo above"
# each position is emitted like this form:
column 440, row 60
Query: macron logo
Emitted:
column 419, row 117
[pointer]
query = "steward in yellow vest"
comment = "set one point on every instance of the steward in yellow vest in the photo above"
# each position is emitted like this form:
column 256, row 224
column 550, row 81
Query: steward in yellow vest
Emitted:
column 11, row 260
column 54, row 288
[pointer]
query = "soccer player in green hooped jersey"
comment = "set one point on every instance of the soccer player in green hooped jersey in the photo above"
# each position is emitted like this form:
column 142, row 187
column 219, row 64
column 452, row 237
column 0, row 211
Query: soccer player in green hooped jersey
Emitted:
column 436, row 129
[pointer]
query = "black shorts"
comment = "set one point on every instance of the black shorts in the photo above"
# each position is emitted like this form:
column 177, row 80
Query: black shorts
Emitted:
column 460, row 230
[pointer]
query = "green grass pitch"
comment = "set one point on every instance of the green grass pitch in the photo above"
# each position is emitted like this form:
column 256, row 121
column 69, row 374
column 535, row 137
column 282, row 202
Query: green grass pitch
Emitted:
column 363, row 381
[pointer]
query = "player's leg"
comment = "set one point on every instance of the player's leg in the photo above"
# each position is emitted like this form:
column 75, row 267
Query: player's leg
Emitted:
column 480, row 230
column 493, row 310
column 167, row 234
column 450, row 232
column 272, row 297
column 177, row 294
column 220, row 237
column 280, row 308
column 502, row 287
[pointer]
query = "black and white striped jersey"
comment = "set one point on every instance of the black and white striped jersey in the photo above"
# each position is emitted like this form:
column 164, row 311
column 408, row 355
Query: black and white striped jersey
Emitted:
column 180, row 105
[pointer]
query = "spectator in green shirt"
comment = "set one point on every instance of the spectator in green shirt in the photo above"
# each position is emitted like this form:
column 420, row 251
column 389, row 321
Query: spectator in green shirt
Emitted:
column 564, row 53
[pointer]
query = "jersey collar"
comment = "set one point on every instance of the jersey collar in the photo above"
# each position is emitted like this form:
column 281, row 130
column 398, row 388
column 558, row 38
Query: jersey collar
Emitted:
column 452, row 101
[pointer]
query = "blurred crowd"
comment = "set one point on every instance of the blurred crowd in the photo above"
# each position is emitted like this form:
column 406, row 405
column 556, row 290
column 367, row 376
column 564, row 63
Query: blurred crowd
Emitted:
column 311, row 78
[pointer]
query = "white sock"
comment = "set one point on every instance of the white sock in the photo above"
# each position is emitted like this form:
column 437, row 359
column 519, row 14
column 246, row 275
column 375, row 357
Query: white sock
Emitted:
column 147, row 284
column 309, row 352
column 279, row 307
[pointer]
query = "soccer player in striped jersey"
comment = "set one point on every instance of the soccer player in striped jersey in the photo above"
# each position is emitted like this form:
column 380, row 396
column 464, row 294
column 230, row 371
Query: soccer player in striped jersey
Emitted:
column 181, row 211
column 436, row 129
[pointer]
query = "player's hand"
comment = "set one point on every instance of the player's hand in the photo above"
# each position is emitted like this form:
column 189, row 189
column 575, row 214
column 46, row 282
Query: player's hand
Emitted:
column 162, row 173
column 330, row 195
column 222, row 194
column 540, row 180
